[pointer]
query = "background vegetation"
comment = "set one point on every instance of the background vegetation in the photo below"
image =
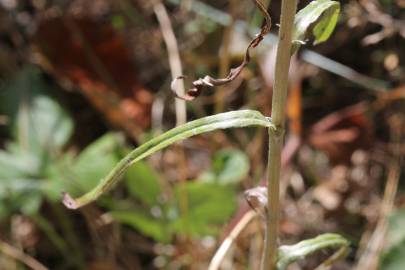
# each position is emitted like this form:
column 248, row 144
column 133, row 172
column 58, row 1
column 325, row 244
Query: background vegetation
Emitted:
column 84, row 82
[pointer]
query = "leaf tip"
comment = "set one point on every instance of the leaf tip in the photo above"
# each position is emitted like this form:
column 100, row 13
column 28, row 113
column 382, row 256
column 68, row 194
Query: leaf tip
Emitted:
column 189, row 95
column 68, row 201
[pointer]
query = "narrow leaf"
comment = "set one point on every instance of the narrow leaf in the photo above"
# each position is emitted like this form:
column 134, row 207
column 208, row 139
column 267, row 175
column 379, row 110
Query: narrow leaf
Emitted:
column 290, row 254
column 320, row 17
column 234, row 119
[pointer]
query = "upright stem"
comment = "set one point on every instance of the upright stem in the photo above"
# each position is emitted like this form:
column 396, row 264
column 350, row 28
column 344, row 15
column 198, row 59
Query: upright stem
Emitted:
column 276, row 135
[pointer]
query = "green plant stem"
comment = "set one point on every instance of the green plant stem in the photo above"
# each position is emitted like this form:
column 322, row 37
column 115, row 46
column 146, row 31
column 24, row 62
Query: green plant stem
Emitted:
column 276, row 136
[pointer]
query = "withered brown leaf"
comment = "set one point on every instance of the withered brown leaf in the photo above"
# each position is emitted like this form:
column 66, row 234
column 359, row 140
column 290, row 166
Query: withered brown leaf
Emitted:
column 208, row 81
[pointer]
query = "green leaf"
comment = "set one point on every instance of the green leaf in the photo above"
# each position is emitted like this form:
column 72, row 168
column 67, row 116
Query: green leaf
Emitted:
column 18, row 164
column 235, row 119
column 145, row 223
column 229, row 166
column 320, row 16
column 19, row 185
column 97, row 160
column 396, row 225
column 30, row 203
column 60, row 177
column 208, row 206
column 143, row 183
column 48, row 126
column 290, row 254
column 40, row 124
column 394, row 257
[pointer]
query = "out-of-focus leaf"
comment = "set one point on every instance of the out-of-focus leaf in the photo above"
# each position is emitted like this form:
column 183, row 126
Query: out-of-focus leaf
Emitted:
column 209, row 205
column 25, row 85
column 17, row 165
column 290, row 254
column 145, row 223
column 39, row 123
column 19, row 185
column 30, row 203
column 4, row 211
column 320, row 16
column 96, row 160
column 396, row 232
column 143, row 183
column 60, row 177
column 233, row 119
column 45, row 124
column 394, row 257
column 229, row 166
column 20, row 195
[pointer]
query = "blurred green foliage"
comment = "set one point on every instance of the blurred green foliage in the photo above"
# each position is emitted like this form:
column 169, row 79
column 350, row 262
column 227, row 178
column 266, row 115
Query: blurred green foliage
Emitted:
column 36, row 166
column 209, row 201
column 39, row 128
column 394, row 256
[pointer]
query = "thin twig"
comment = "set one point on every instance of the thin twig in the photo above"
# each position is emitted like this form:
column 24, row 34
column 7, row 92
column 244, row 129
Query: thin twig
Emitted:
column 227, row 243
column 174, row 57
column 18, row 255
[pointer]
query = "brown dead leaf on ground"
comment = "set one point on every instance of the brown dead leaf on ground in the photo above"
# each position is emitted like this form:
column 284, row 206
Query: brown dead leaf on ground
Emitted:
column 92, row 57
column 340, row 133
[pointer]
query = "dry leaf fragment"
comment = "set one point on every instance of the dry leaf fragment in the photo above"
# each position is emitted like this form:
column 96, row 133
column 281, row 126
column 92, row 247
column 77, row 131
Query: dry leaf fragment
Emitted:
column 208, row 81
column 257, row 199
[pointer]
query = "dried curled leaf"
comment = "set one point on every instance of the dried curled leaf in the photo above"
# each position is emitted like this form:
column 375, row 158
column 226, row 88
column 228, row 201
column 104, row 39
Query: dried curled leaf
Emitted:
column 257, row 199
column 208, row 81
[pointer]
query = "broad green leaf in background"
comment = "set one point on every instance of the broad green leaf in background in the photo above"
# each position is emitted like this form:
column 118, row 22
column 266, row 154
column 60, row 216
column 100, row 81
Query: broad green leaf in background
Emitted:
column 320, row 17
column 43, row 124
column 40, row 127
column 396, row 225
column 143, row 183
column 96, row 160
column 228, row 166
column 394, row 257
column 39, row 124
column 235, row 119
column 18, row 164
column 145, row 223
column 20, row 195
column 209, row 205
column 60, row 177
